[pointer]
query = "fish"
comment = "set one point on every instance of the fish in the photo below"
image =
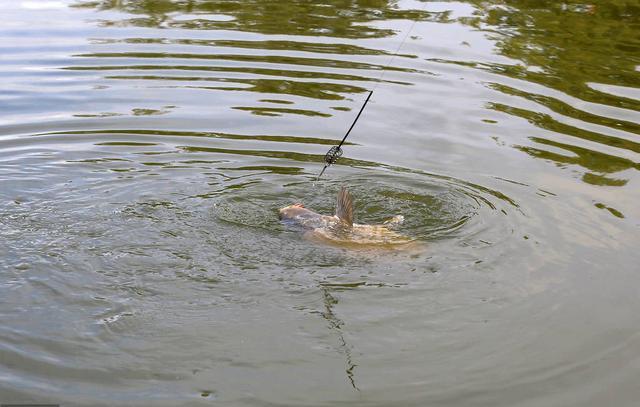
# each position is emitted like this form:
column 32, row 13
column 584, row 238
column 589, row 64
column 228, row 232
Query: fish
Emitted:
column 340, row 228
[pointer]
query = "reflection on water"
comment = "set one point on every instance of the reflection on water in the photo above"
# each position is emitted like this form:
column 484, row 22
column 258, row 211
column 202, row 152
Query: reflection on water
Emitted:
column 567, row 47
column 563, row 47
column 146, row 146
column 344, row 18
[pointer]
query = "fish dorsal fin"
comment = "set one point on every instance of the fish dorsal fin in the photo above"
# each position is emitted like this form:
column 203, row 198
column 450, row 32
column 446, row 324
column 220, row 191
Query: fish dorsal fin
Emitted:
column 344, row 207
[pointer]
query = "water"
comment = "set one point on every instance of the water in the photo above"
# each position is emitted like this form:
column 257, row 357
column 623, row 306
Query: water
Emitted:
column 145, row 148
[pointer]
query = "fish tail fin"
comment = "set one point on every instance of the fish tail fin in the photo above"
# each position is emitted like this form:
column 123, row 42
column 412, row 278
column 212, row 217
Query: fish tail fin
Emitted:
column 344, row 207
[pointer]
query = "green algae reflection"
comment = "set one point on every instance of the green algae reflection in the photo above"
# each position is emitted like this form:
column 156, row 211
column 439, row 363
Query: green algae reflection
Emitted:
column 573, row 48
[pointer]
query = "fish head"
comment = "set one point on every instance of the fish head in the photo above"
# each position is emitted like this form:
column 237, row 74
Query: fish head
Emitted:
column 297, row 214
column 292, row 211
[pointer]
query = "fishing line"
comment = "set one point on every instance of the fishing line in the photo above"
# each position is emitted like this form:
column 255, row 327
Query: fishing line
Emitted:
column 335, row 152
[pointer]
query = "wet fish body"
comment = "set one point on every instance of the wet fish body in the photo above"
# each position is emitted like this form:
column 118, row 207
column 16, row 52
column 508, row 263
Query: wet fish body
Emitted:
column 339, row 228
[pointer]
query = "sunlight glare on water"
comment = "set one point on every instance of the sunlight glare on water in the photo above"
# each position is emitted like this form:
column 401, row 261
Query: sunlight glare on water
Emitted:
column 146, row 147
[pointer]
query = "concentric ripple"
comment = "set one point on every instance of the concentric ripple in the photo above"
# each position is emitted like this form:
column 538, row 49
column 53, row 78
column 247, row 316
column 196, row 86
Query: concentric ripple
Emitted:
column 146, row 147
column 434, row 207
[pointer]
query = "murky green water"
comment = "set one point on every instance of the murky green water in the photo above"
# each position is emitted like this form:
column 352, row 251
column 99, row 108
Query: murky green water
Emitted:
column 145, row 147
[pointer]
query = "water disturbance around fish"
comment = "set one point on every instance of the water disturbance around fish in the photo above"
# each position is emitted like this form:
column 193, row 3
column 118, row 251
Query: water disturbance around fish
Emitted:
column 146, row 147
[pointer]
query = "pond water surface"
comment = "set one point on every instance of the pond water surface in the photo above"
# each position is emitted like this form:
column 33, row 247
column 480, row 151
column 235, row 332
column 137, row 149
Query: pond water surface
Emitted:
column 146, row 146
